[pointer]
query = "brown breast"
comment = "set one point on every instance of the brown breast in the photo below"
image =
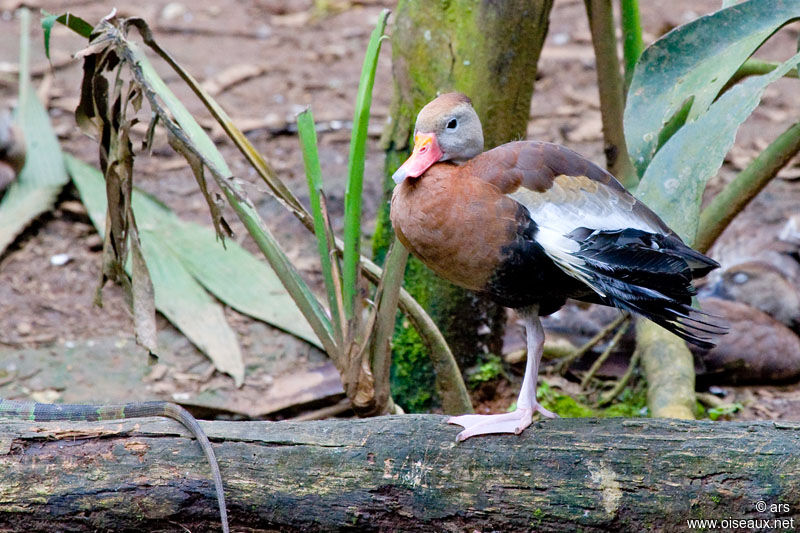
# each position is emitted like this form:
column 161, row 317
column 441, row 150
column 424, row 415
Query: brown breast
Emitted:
column 455, row 223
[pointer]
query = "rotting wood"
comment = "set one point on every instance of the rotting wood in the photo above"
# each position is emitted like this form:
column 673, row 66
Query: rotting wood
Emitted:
column 401, row 473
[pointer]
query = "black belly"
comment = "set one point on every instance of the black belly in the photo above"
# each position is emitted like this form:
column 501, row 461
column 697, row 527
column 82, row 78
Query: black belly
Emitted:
column 526, row 276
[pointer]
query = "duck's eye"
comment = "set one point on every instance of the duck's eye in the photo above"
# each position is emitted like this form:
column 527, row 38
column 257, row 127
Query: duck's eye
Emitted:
column 453, row 124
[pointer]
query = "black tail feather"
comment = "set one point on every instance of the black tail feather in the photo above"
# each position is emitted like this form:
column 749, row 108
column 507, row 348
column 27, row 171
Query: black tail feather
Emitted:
column 650, row 275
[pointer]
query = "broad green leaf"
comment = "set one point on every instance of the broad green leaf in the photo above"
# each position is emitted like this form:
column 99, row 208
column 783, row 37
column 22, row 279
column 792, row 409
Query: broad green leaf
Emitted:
column 231, row 273
column 43, row 175
column 234, row 275
column 186, row 304
column 177, row 295
column 674, row 181
column 691, row 64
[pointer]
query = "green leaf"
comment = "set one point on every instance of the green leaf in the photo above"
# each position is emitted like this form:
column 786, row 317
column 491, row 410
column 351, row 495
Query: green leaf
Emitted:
column 187, row 305
column 355, row 168
column 177, row 295
column 76, row 24
column 715, row 413
column 43, row 176
column 232, row 273
column 693, row 63
column 674, row 182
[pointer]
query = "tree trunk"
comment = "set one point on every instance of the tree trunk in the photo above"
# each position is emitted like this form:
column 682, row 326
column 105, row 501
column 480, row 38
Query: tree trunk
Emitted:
column 487, row 50
column 398, row 473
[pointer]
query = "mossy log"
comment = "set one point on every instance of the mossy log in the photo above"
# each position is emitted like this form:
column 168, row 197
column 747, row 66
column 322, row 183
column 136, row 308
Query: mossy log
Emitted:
column 489, row 51
column 398, row 473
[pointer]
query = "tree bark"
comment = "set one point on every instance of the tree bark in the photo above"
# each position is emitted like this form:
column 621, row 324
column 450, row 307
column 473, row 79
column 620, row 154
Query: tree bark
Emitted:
column 397, row 473
column 489, row 51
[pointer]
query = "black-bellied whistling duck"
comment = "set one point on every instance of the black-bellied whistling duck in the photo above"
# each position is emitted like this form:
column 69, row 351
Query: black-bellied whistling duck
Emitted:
column 762, row 286
column 758, row 349
column 531, row 224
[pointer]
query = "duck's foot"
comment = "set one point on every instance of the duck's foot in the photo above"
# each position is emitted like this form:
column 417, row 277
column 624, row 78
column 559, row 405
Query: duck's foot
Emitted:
column 513, row 422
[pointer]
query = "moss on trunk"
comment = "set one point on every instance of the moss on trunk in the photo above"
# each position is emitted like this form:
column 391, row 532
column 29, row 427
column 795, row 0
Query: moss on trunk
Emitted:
column 487, row 50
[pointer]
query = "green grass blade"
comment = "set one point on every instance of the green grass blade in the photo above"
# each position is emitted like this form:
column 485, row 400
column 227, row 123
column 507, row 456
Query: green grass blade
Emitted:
column 43, row 176
column 355, row 168
column 322, row 229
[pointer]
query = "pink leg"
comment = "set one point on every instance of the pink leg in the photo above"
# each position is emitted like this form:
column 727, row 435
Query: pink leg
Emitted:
column 519, row 419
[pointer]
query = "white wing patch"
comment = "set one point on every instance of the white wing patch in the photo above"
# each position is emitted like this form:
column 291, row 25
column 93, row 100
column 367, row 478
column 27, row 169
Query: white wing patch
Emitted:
column 561, row 250
column 577, row 202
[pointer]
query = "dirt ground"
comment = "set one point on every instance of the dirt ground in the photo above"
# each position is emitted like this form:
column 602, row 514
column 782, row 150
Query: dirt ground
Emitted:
column 305, row 54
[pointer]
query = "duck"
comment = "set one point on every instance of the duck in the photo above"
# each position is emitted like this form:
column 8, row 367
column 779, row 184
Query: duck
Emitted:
column 531, row 224
column 761, row 285
column 757, row 350
column 12, row 149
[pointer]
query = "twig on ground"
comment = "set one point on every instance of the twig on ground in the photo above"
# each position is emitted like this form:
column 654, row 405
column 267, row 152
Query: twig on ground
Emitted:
column 563, row 366
column 626, row 323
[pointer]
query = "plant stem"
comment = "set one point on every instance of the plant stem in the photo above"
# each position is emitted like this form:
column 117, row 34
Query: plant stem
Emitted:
column 563, row 366
column 632, row 44
column 450, row 384
column 609, row 84
column 603, row 356
column 755, row 67
column 669, row 367
column 386, row 305
column 736, row 195
column 623, row 381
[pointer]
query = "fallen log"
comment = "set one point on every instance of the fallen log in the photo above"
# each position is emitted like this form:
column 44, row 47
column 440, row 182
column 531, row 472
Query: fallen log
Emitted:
column 398, row 473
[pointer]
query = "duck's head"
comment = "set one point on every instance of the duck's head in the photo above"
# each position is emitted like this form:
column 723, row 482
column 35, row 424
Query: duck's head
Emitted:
column 447, row 129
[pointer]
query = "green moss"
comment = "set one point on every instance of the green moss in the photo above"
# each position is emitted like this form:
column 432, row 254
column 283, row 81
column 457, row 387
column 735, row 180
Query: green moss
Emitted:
column 632, row 403
column 724, row 411
column 561, row 404
column 412, row 379
column 488, row 369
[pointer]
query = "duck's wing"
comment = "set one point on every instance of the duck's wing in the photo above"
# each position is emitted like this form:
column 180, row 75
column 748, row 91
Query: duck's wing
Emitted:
column 598, row 233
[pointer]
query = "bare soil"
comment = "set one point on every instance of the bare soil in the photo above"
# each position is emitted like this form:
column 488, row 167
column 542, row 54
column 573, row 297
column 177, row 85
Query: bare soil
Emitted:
column 302, row 53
